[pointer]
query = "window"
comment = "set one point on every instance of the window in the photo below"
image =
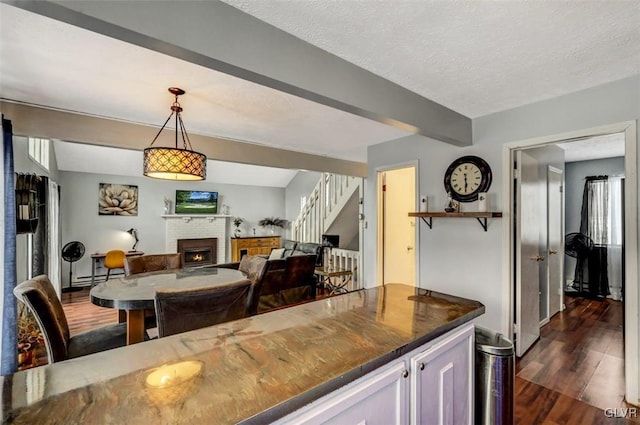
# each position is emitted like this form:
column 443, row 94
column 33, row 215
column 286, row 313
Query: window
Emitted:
column 39, row 151
column 605, row 214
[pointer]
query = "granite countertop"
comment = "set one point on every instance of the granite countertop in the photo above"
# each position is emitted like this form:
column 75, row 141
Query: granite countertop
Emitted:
column 254, row 370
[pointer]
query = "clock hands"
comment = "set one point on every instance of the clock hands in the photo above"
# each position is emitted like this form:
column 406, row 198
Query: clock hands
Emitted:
column 465, row 183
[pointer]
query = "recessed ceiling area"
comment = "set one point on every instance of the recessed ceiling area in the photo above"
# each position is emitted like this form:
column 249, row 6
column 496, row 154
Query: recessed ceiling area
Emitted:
column 81, row 158
column 66, row 67
column 597, row 147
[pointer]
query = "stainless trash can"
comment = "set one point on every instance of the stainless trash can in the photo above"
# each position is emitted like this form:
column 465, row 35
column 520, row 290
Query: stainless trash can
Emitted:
column 495, row 378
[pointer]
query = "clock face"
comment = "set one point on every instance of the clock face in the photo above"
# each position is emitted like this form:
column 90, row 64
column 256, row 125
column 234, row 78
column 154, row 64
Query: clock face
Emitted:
column 466, row 176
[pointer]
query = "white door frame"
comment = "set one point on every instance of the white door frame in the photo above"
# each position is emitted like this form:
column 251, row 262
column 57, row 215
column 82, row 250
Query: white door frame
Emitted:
column 379, row 228
column 632, row 301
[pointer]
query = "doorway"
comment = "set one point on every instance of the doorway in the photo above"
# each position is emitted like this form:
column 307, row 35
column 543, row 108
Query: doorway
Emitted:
column 628, row 130
column 396, row 188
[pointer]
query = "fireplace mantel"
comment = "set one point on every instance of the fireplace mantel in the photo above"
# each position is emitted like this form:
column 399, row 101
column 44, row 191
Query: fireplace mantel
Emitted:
column 189, row 217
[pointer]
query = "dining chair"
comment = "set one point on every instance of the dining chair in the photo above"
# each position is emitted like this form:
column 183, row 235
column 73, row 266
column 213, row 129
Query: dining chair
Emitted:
column 41, row 299
column 114, row 260
column 255, row 268
column 182, row 310
column 151, row 263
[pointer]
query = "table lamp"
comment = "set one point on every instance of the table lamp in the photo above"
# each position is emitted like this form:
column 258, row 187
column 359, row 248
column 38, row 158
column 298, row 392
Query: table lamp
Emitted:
column 133, row 232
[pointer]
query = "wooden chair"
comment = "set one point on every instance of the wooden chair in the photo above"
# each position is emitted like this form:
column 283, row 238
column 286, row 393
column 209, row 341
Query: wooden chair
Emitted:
column 151, row 263
column 114, row 260
column 40, row 297
column 182, row 310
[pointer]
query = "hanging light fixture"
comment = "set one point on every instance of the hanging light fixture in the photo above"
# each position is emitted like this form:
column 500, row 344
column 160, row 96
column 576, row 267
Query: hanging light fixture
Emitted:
column 175, row 163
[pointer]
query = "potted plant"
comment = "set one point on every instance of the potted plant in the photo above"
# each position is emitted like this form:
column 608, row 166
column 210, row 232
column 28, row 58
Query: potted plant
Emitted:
column 237, row 221
column 272, row 222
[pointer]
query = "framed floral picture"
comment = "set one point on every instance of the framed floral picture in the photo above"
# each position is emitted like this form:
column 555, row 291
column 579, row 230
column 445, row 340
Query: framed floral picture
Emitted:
column 117, row 199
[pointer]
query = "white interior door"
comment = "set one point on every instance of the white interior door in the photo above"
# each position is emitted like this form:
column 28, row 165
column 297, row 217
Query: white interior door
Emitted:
column 399, row 198
column 555, row 232
column 527, row 290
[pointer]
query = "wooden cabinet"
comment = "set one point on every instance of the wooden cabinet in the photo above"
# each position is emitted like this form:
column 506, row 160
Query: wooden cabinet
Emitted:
column 253, row 246
column 432, row 385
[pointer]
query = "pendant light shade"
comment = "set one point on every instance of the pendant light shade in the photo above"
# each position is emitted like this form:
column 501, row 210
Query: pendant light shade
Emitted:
column 173, row 163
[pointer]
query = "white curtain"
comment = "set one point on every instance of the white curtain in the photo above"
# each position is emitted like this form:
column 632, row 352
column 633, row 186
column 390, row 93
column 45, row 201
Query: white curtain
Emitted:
column 53, row 210
column 614, row 237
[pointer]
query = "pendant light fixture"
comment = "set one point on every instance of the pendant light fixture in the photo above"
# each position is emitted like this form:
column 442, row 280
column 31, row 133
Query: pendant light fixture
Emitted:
column 175, row 163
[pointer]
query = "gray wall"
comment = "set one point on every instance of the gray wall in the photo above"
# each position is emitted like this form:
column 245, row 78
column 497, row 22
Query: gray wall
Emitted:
column 301, row 184
column 80, row 219
column 574, row 184
column 456, row 256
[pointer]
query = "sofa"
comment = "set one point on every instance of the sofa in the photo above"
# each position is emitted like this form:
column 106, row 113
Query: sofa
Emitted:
column 301, row 248
column 289, row 280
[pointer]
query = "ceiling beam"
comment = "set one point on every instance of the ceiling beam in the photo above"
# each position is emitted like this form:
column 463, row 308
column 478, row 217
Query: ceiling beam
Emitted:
column 47, row 123
column 220, row 37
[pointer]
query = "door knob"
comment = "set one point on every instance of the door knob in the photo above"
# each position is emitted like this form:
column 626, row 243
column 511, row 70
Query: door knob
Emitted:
column 409, row 248
column 553, row 251
column 538, row 258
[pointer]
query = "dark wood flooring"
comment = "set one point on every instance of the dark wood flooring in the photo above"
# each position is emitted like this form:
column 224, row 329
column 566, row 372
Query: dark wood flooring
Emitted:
column 575, row 371
column 570, row 376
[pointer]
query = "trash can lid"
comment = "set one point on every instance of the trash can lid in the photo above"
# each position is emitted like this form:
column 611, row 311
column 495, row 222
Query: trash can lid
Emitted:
column 492, row 342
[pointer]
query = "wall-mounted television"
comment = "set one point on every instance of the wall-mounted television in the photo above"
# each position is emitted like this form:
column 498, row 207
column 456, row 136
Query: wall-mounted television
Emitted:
column 196, row 202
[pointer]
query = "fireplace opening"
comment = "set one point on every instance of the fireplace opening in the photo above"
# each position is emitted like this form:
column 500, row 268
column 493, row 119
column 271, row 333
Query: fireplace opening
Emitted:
column 198, row 252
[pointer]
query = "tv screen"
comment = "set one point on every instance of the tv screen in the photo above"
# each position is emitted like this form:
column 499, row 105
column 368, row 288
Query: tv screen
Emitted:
column 196, row 202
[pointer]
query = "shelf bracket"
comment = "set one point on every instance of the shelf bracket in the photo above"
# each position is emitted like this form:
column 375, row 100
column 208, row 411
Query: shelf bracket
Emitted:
column 483, row 222
column 428, row 223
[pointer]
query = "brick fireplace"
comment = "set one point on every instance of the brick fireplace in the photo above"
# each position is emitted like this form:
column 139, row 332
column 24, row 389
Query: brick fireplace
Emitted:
column 179, row 227
column 198, row 252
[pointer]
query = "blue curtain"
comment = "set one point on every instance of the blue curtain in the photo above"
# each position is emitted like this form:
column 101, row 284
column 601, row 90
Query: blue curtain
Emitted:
column 9, row 359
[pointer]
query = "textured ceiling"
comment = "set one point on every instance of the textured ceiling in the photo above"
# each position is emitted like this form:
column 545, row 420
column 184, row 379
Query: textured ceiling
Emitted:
column 608, row 146
column 475, row 57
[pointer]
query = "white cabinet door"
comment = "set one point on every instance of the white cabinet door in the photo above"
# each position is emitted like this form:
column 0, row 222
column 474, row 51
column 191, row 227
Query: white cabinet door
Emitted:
column 380, row 398
column 442, row 381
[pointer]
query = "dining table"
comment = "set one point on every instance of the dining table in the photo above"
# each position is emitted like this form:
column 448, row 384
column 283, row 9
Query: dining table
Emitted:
column 136, row 293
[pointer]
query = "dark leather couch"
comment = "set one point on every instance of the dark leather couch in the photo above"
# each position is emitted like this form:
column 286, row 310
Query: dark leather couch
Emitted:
column 287, row 281
column 301, row 248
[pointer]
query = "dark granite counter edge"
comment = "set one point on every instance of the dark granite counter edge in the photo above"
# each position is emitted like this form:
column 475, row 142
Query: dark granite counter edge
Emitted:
column 281, row 410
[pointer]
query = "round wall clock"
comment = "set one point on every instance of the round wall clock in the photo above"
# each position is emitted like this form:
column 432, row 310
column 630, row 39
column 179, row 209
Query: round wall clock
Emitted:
column 466, row 177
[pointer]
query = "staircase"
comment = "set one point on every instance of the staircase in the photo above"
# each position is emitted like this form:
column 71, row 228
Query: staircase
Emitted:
column 333, row 207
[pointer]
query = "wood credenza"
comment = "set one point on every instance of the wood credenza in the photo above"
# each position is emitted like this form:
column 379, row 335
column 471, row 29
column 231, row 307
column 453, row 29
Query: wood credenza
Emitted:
column 253, row 246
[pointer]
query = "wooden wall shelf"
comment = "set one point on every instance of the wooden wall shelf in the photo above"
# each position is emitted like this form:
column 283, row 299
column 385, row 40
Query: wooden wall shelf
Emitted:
column 480, row 216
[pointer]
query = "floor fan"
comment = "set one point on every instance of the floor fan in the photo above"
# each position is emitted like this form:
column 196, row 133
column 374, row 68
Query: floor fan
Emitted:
column 575, row 245
column 72, row 252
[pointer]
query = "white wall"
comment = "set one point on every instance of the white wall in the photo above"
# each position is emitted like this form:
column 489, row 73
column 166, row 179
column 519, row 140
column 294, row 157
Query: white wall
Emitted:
column 301, row 184
column 80, row 219
column 457, row 256
column 23, row 164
